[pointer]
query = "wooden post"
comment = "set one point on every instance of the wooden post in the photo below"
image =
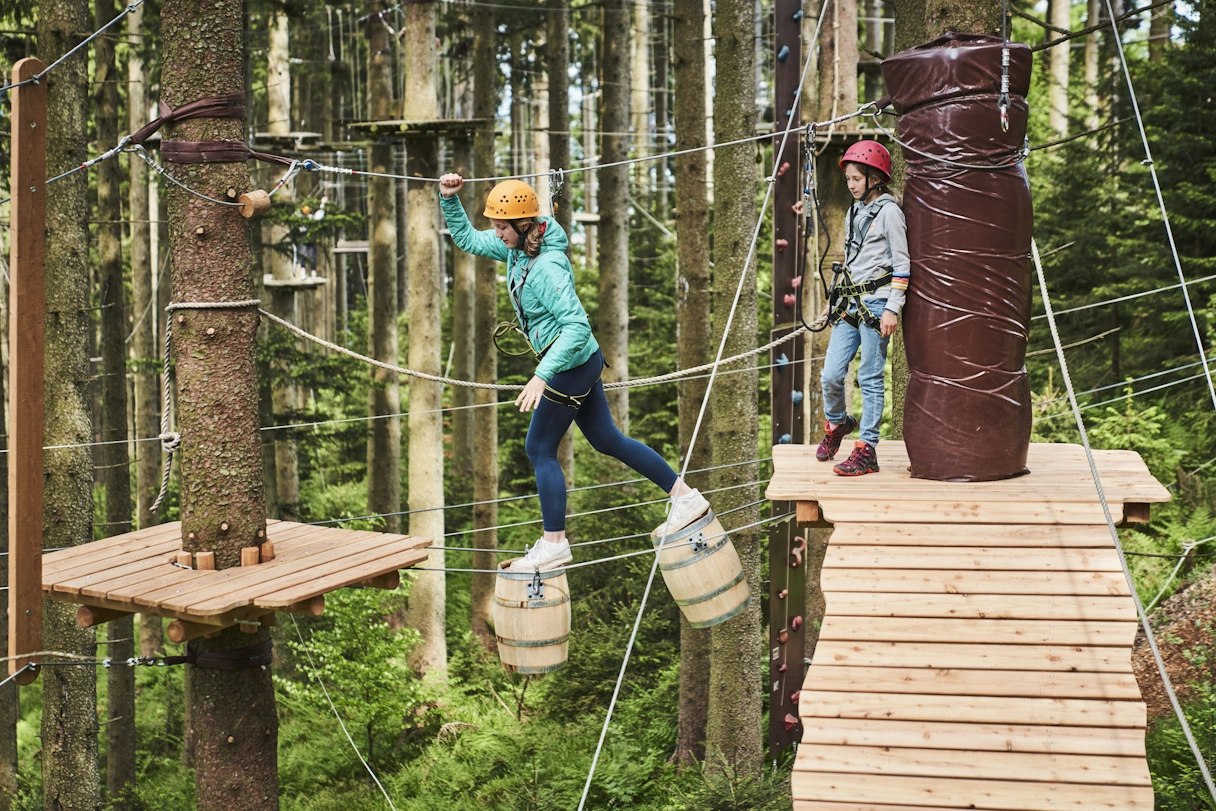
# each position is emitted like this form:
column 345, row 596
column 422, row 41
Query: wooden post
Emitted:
column 26, row 329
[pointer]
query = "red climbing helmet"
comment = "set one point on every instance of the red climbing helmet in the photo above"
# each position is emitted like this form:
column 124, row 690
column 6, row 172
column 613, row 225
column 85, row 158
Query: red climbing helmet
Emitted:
column 869, row 153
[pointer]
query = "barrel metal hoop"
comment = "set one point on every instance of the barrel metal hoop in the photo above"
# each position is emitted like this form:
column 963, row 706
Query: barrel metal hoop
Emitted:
column 525, row 604
column 532, row 643
column 722, row 590
column 699, row 556
column 734, row 612
column 687, row 532
column 546, row 575
column 533, row 671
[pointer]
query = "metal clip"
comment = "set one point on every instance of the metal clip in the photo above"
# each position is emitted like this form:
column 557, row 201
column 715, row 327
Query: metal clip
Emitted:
column 536, row 589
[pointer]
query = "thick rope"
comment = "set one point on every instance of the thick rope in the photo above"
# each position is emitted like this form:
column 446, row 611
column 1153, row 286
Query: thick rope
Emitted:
column 170, row 440
column 1114, row 532
column 450, row 381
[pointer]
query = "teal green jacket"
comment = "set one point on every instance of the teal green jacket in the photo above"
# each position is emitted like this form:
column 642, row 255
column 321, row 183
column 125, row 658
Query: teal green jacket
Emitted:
column 548, row 303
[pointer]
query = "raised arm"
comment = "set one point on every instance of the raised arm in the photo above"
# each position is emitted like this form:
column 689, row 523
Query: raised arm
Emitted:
column 466, row 237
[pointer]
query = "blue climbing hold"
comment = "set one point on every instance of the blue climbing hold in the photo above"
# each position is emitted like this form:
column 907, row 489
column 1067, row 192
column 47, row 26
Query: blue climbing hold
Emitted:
column 796, row 396
column 785, row 439
column 782, row 360
column 798, row 14
column 783, row 54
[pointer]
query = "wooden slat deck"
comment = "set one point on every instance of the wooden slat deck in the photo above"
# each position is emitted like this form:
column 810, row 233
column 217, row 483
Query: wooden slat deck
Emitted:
column 133, row 572
column 976, row 649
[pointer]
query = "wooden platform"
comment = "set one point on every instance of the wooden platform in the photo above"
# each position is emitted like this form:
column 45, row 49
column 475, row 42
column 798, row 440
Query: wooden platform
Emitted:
column 976, row 649
column 133, row 573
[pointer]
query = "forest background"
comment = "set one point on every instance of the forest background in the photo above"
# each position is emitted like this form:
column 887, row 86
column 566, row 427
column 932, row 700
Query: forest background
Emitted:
column 413, row 674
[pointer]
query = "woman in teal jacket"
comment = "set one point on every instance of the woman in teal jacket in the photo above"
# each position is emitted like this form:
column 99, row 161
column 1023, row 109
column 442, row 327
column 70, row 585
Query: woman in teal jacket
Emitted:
column 566, row 386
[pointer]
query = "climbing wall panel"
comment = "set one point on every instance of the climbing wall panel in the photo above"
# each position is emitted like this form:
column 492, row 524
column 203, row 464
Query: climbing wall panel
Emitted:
column 970, row 660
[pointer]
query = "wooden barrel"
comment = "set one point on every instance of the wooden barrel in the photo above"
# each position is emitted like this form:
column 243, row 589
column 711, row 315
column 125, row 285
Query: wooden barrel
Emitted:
column 531, row 619
column 703, row 573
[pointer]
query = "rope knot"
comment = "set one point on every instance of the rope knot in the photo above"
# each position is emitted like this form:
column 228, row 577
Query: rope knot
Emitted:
column 170, row 441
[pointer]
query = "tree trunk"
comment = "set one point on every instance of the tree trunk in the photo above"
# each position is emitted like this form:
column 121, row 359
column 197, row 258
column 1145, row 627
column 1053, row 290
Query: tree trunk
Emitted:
column 428, row 594
column 120, row 710
column 1057, row 95
column 1160, row 24
column 464, row 318
column 143, row 340
column 612, row 324
column 590, row 179
column 694, row 333
column 639, row 100
column 70, row 776
column 485, row 417
column 235, row 728
column 1093, row 16
column 9, row 704
column 384, row 447
column 662, row 134
column 733, row 731
column 873, row 45
column 559, row 105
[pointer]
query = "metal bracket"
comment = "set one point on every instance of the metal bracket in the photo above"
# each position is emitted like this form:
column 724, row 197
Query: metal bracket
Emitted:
column 698, row 542
column 536, row 589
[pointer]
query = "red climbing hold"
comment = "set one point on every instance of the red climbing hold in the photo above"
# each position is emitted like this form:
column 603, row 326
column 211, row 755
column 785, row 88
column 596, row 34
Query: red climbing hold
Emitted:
column 791, row 721
column 785, row 167
column 796, row 623
column 789, row 299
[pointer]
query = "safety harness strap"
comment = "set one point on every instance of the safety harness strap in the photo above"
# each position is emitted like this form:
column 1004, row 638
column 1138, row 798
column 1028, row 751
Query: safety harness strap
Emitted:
column 846, row 293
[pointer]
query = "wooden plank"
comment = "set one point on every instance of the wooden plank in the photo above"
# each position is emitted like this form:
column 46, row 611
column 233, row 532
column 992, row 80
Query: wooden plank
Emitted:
column 936, row 581
column 973, row 709
column 981, row 632
column 972, row 558
column 1113, row 686
column 1060, row 490
column 1117, row 771
column 872, row 507
column 341, row 579
column 27, row 324
column 979, row 794
column 818, row 805
column 980, row 606
column 70, row 581
column 1116, row 742
column 987, row 535
column 107, row 549
column 806, row 512
column 255, row 582
column 943, row 655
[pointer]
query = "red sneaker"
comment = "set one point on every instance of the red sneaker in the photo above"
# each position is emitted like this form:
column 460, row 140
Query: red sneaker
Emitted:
column 863, row 460
column 832, row 439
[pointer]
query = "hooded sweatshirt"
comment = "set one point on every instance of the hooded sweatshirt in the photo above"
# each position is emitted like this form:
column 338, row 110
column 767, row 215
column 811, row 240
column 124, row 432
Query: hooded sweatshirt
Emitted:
column 541, row 290
column 876, row 243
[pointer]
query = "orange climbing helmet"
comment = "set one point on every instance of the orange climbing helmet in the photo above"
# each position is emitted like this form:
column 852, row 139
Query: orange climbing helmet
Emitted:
column 512, row 200
column 869, row 153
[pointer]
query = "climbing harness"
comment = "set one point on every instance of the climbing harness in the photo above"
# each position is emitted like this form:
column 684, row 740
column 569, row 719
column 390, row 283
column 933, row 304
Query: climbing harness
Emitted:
column 845, row 301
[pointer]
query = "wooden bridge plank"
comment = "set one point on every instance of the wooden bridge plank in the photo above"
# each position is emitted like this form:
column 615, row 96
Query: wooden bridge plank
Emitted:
column 1005, row 536
column 816, row 703
column 157, row 560
column 942, row 581
column 341, row 579
column 948, row 656
column 871, row 506
column 1054, row 768
column 1112, row 741
column 978, row 631
column 978, row 794
column 972, row 558
column 980, row 606
column 1112, row 686
column 108, row 551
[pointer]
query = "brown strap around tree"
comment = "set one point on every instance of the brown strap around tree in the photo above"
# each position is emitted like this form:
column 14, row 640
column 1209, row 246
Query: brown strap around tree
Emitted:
column 259, row 655
column 229, row 105
column 215, row 152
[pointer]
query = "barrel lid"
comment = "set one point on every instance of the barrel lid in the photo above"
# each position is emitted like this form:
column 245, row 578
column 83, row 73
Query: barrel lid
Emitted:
column 508, row 575
column 687, row 532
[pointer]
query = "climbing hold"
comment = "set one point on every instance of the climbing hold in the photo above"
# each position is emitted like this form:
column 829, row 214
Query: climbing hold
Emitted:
column 796, row 552
column 791, row 721
column 794, row 696
column 783, row 54
column 782, row 360
column 785, row 167
column 796, row 623
column 796, row 282
column 783, row 636
column 782, row 244
column 798, row 14
column 790, row 299
column 796, row 396
column 781, row 595
column 784, row 439
column 783, row 668
column 798, row 208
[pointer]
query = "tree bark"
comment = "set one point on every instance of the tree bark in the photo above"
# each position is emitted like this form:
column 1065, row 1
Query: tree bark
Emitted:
column 485, row 417
column 1093, row 16
column 662, row 107
column 70, row 775
column 235, row 728
column 1160, row 24
column 1057, row 96
column 143, row 340
column 120, row 709
column 384, row 447
column 464, row 279
column 733, row 731
column 694, row 333
column 425, row 302
column 612, row 323
column 9, row 704
column 639, row 100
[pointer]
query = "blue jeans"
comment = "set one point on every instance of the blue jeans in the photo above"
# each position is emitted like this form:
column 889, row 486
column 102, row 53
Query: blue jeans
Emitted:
column 842, row 348
column 589, row 410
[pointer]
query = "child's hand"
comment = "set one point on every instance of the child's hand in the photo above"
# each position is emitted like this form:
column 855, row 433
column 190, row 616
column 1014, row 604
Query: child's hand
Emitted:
column 450, row 184
column 890, row 323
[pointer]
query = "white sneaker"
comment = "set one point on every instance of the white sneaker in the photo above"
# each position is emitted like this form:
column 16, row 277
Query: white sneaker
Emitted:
column 682, row 511
column 544, row 556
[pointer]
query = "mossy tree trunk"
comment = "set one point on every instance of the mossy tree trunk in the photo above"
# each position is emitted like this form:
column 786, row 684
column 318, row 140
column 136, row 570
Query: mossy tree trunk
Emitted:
column 235, row 728
column 612, row 323
column 694, row 333
column 464, row 280
column 120, row 708
column 485, row 417
column 384, row 445
column 733, row 733
column 9, row 704
column 70, row 775
column 425, row 302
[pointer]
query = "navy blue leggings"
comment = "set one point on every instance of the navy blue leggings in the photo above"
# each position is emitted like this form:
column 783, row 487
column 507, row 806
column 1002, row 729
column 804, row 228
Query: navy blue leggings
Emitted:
column 550, row 422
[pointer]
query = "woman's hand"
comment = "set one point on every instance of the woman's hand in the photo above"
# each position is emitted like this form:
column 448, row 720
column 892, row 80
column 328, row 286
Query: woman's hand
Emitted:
column 530, row 396
column 890, row 323
column 450, row 184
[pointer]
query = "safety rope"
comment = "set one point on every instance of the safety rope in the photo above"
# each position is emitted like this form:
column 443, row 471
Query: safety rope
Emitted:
column 170, row 440
column 1114, row 532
